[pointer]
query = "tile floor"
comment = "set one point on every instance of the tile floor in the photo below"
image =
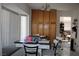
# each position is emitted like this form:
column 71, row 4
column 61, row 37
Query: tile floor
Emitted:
column 65, row 52
column 50, row 52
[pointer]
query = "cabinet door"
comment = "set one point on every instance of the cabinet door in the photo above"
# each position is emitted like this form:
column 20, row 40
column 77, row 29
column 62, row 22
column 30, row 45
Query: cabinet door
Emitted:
column 53, row 16
column 40, row 17
column 35, row 16
column 34, row 29
column 46, row 30
column 46, row 17
column 40, row 29
column 52, row 32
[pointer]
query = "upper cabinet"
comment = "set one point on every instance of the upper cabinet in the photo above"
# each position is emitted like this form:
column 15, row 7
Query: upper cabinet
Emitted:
column 35, row 16
column 53, row 16
column 40, row 17
column 46, row 17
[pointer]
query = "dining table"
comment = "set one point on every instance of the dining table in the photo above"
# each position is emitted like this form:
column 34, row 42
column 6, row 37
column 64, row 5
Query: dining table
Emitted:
column 42, row 45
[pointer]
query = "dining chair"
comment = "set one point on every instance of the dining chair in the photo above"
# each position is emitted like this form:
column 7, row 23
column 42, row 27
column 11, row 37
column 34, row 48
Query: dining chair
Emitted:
column 31, row 50
column 57, row 46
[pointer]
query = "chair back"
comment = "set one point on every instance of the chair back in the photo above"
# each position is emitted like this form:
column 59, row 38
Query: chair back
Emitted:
column 31, row 49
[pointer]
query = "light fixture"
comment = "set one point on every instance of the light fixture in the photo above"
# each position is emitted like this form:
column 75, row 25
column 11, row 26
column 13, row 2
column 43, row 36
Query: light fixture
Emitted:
column 46, row 7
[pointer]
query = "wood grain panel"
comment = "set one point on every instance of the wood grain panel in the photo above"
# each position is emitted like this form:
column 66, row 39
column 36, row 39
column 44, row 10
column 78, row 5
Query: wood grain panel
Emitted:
column 44, row 23
column 46, row 17
column 34, row 29
column 35, row 16
column 40, row 17
column 53, row 16
column 52, row 31
column 40, row 29
column 46, row 29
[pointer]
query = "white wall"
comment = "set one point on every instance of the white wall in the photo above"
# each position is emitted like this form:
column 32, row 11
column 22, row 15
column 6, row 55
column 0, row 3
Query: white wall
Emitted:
column 14, row 28
column 24, row 7
column 10, row 28
column 75, row 15
column 11, row 22
column 72, row 14
column 5, row 27
column 0, row 33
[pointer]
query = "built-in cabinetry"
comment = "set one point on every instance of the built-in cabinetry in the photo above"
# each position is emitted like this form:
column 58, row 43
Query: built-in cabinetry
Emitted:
column 44, row 23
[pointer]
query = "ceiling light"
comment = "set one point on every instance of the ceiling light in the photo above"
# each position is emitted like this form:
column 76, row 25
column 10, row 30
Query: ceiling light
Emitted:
column 46, row 7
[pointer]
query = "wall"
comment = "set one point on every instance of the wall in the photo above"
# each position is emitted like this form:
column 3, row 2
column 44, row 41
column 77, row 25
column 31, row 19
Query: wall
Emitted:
column 11, row 22
column 24, row 7
column 75, row 15
column 0, row 33
column 14, row 28
column 10, row 28
column 5, row 28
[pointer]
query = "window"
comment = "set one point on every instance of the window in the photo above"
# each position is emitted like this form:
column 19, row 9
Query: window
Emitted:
column 67, row 23
column 24, row 27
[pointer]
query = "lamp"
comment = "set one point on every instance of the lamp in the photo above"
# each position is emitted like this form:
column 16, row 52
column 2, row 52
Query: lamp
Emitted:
column 46, row 7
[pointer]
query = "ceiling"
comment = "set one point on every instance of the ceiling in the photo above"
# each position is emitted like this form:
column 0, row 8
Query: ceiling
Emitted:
column 58, row 6
column 14, row 8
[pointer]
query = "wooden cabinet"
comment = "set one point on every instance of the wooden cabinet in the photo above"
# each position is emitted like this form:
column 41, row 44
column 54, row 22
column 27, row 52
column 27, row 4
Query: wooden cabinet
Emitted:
column 52, row 28
column 34, row 29
column 52, row 31
column 40, row 29
column 46, row 17
column 53, row 16
column 44, row 23
column 40, row 17
column 40, row 23
column 35, row 16
column 46, row 30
